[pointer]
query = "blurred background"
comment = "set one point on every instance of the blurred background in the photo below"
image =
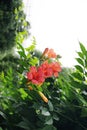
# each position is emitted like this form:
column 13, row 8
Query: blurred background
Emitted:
column 60, row 25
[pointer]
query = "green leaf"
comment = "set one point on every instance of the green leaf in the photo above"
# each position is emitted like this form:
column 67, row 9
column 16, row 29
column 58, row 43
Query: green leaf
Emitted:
column 23, row 93
column 21, row 50
column 24, row 125
column 79, row 68
column 32, row 47
column 86, row 62
column 33, row 61
column 55, row 117
column 80, row 55
column 83, row 49
column 20, row 47
column 50, row 105
column 86, row 74
column 48, row 127
column 22, row 54
column 3, row 115
column 80, row 61
column 49, row 120
column 84, row 112
column 76, row 84
column 77, row 76
column 45, row 112
column 86, row 55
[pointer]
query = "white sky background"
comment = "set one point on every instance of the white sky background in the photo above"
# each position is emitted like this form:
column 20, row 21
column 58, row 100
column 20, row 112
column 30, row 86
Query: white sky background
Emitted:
column 59, row 24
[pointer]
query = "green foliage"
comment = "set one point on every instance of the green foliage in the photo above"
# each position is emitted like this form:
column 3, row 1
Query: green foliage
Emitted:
column 13, row 24
column 8, row 61
column 21, row 106
column 73, row 114
column 23, row 109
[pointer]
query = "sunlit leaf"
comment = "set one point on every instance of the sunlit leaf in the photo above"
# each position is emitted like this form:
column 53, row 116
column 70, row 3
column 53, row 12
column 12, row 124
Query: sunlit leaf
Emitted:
column 83, row 49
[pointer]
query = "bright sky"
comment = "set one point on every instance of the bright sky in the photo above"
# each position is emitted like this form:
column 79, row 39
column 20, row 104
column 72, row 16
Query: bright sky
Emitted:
column 59, row 24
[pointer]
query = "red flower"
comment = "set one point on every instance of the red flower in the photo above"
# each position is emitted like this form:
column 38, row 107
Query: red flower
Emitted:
column 56, row 68
column 32, row 72
column 46, row 69
column 36, row 77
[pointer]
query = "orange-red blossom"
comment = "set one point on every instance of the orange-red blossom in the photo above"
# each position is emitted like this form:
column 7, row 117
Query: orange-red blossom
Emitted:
column 49, row 53
column 37, row 75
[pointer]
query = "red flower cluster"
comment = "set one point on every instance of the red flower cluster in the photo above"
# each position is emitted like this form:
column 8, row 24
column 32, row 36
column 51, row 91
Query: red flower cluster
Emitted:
column 37, row 75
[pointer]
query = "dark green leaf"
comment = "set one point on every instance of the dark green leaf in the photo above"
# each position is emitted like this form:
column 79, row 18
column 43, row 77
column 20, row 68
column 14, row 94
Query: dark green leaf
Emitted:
column 48, row 127
column 55, row 117
column 20, row 47
column 49, row 120
column 80, row 61
column 22, row 54
column 50, row 106
column 84, row 112
column 78, row 76
column 24, row 125
column 45, row 112
column 79, row 68
column 3, row 115
column 80, row 55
